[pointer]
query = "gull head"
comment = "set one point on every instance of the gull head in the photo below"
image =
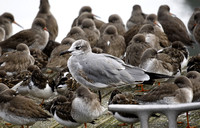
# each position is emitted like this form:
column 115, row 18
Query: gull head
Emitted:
column 78, row 47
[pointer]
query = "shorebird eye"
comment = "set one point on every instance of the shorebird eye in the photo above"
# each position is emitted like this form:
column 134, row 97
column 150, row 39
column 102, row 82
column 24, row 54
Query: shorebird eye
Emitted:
column 78, row 47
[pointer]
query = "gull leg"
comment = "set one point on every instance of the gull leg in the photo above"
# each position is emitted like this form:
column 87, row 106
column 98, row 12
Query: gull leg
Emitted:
column 142, row 89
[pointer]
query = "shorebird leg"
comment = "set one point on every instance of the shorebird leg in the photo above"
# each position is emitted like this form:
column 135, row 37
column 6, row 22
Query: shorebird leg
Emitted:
column 123, row 124
column 142, row 89
column 188, row 123
column 131, row 125
column 42, row 103
column 85, row 124
column 8, row 124
column 99, row 95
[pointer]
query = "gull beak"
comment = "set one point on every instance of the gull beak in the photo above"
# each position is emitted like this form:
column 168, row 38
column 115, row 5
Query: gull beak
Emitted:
column 18, row 24
column 65, row 52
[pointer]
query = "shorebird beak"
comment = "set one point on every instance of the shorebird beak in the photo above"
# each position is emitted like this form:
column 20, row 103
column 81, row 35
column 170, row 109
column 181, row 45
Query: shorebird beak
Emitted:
column 96, row 16
column 18, row 24
column 173, row 15
column 45, row 28
column 65, row 52
column 156, row 23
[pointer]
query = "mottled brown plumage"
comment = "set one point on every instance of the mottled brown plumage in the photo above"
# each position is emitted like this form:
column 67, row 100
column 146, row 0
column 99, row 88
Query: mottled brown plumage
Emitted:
column 196, row 32
column 191, row 22
column 111, row 42
column 135, row 50
column 77, row 33
column 194, row 63
column 194, row 77
column 170, row 93
column 19, row 109
column 36, row 37
column 51, row 23
column 137, row 17
column 6, row 20
column 16, row 61
column 92, row 33
column 173, row 26
column 115, row 20
column 55, row 59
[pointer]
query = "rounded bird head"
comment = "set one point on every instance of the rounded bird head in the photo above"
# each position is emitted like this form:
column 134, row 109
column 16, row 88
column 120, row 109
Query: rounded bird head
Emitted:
column 8, row 16
column 111, row 30
column 79, row 47
column 39, row 23
column 67, row 41
column 183, row 82
column 76, row 30
column 85, row 9
column 136, row 7
column 22, row 47
column 114, row 19
column 193, row 75
column 139, row 38
column 3, row 87
column 88, row 23
column 147, row 28
column 197, row 18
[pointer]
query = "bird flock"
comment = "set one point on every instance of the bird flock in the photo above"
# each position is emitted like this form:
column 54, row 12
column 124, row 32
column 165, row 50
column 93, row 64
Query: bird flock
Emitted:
column 69, row 76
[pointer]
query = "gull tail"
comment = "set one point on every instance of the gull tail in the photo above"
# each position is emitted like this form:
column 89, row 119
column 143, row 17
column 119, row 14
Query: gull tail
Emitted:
column 154, row 76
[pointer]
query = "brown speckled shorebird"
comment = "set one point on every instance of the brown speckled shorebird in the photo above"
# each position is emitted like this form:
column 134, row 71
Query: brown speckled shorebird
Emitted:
column 51, row 23
column 19, row 110
column 6, row 20
column 36, row 37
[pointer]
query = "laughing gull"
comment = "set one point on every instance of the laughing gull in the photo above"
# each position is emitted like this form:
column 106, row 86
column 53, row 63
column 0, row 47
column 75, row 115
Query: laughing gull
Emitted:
column 99, row 71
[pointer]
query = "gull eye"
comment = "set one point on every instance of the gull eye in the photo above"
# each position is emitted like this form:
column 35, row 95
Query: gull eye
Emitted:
column 78, row 47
